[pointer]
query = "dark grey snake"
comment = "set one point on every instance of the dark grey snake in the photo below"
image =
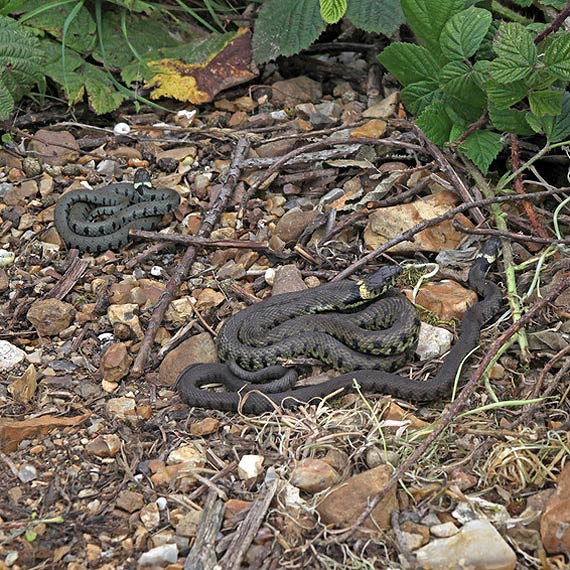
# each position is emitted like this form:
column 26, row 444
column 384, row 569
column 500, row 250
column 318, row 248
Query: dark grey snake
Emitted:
column 98, row 220
column 295, row 323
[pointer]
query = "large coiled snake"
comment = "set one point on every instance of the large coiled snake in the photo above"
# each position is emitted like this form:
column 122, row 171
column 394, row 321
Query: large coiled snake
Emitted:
column 98, row 220
column 293, row 324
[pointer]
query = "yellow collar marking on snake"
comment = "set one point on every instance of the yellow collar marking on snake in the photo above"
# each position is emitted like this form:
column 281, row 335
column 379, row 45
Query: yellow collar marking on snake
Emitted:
column 364, row 292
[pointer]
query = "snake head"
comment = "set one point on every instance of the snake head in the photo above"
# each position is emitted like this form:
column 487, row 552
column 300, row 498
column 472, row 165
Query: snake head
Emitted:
column 379, row 282
column 142, row 181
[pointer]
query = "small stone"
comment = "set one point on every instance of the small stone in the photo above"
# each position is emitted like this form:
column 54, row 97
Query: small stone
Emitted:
column 314, row 475
column 231, row 270
column 121, row 407
column 198, row 348
column 27, row 473
column 296, row 90
column 188, row 524
column 234, row 507
column 126, row 314
column 476, row 545
column 293, row 223
column 115, row 363
column 444, row 530
column 415, row 535
column 180, row 310
column 107, row 445
column 50, row 316
column 433, row 341
column 208, row 299
column 186, row 454
column 93, row 553
column 54, row 147
column 150, row 516
column 287, row 279
column 205, row 427
column 130, row 501
column 24, row 387
column 446, row 299
column 383, row 109
column 372, row 129
column 159, row 556
column 250, row 467
column 10, row 355
column 343, row 505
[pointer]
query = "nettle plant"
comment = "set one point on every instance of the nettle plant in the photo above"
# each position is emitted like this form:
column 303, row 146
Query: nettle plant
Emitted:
column 471, row 67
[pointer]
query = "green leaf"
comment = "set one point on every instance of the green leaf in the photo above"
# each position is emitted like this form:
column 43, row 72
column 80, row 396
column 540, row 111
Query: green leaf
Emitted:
column 427, row 18
column 504, row 95
column 463, row 95
column 435, row 122
column 31, row 535
column 545, row 102
column 482, row 147
column 409, row 63
column 509, row 121
column 80, row 34
column 417, row 96
column 332, row 10
column 555, row 128
column 515, row 43
column 285, row 28
column 557, row 55
column 453, row 70
column 376, row 17
column 505, row 70
column 101, row 92
column 464, row 32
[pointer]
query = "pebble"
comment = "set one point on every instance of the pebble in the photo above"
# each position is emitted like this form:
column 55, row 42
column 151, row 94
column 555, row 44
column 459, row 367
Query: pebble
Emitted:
column 159, row 556
column 296, row 90
column 27, row 473
column 433, row 341
column 6, row 257
column 50, row 316
column 476, row 545
column 115, row 363
column 314, row 475
column 121, row 407
column 555, row 522
column 130, row 501
column 250, row 467
column 10, row 355
column 444, row 530
column 107, row 445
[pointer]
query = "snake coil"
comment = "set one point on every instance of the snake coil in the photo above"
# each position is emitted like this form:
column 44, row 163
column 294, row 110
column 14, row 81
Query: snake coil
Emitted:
column 98, row 220
column 271, row 329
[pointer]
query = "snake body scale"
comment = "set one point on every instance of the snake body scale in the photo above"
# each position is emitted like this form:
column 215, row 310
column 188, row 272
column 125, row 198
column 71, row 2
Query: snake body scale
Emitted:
column 98, row 220
column 293, row 323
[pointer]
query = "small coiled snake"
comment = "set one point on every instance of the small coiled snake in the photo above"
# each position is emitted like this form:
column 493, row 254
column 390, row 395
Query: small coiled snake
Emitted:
column 295, row 323
column 98, row 220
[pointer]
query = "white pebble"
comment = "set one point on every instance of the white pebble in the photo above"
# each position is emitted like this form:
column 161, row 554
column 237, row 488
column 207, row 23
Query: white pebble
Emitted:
column 6, row 257
column 167, row 553
column 250, row 467
column 161, row 503
column 121, row 129
column 156, row 271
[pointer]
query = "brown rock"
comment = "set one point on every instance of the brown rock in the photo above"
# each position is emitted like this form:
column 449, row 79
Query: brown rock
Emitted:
column 50, row 316
column 107, row 445
column 199, row 348
column 344, row 504
column 555, row 522
column 446, row 299
column 130, row 501
column 115, row 363
column 292, row 224
column 373, row 129
column 208, row 299
column 386, row 223
column 415, row 535
column 397, row 414
column 54, row 147
column 274, row 149
column 287, row 279
column 314, row 475
column 205, row 427
column 300, row 89
column 24, row 387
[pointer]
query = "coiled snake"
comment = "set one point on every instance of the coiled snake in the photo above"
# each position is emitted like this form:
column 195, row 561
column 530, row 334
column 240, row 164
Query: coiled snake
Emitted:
column 294, row 323
column 98, row 220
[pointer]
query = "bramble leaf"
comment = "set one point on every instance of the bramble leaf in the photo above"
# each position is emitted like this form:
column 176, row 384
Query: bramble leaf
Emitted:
column 378, row 17
column 463, row 33
column 557, row 55
column 482, row 147
column 333, row 10
column 546, row 102
column 435, row 122
column 409, row 63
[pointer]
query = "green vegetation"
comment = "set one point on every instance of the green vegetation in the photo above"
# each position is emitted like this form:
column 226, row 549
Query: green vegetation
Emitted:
column 471, row 67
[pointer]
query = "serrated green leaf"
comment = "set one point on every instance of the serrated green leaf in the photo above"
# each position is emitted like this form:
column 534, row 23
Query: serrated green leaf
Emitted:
column 31, row 535
column 81, row 33
column 540, row 79
column 555, row 128
column 463, row 96
column 509, row 121
column 427, row 18
column 435, row 122
column 417, row 96
column 463, row 33
column 453, row 70
column 557, row 55
column 376, row 17
column 333, row 10
column 505, row 70
column 482, row 147
column 456, row 131
column 504, row 95
column 409, row 63
column 102, row 95
column 285, row 28
column 516, row 44
column 547, row 102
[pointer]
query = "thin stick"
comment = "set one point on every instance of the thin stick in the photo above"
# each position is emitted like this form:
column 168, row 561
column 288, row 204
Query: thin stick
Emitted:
column 208, row 223
column 195, row 240
column 459, row 404
column 509, row 235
